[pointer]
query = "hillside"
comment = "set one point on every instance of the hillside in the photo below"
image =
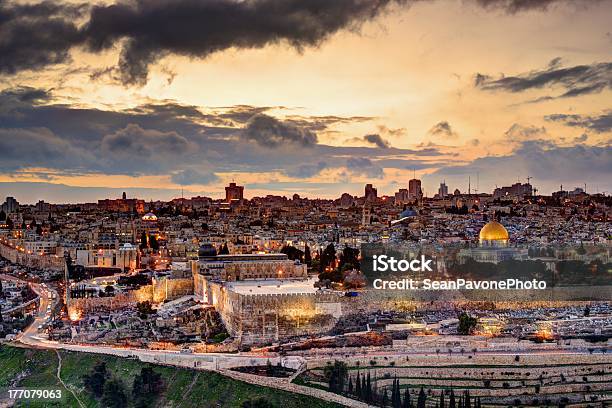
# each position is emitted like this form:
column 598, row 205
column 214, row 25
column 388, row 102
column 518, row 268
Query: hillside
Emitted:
column 180, row 387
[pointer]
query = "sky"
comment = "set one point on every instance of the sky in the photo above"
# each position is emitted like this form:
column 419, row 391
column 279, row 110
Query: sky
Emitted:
column 160, row 98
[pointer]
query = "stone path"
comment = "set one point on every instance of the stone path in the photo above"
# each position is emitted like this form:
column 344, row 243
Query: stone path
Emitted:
column 284, row 384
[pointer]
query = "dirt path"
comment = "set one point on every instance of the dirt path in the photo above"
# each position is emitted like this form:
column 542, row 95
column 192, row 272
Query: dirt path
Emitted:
column 284, row 384
column 59, row 377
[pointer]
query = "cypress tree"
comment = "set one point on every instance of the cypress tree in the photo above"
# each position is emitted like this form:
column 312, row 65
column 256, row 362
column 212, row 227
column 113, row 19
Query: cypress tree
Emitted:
column 451, row 403
column 466, row 400
column 422, row 399
column 407, row 403
column 368, row 396
column 358, row 391
column 350, row 385
column 442, row 399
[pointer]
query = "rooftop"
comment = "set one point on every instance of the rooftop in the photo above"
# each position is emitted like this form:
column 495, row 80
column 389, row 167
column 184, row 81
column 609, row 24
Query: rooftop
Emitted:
column 272, row 287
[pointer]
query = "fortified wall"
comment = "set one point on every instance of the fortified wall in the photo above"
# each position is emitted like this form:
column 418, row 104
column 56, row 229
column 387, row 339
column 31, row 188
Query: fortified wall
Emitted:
column 32, row 260
column 267, row 318
column 157, row 292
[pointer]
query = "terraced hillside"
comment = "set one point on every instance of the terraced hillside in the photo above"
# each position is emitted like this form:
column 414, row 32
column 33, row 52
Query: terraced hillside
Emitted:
column 499, row 380
column 27, row 368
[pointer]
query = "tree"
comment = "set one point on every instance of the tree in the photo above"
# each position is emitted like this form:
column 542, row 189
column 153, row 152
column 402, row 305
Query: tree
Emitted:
column 422, row 399
column 451, row 401
column 94, row 381
column 2, row 215
column 292, row 252
column 153, row 243
column 114, row 395
column 307, row 256
column 328, row 256
column 467, row 323
column 407, row 403
column 336, row 375
column 224, row 249
column 144, row 309
column 368, row 390
column 258, row 402
column 466, row 399
column 349, row 259
column 350, row 382
column 441, row 404
column 147, row 386
column 144, row 242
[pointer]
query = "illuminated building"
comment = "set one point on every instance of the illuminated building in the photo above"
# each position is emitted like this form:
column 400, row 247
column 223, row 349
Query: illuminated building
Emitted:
column 234, row 194
column 371, row 194
column 263, row 297
column 414, row 189
column 493, row 246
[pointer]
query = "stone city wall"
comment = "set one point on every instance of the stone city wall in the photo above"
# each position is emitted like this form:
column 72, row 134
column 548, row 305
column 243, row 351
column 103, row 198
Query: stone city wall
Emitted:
column 159, row 291
column 32, row 260
column 261, row 319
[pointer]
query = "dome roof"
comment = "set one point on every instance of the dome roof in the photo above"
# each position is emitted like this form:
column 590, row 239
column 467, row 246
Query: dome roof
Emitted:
column 408, row 212
column 207, row 250
column 149, row 217
column 493, row 231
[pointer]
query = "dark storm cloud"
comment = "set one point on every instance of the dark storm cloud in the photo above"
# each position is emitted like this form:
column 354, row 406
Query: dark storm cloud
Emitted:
column 597, row 123
column 37, row 35
column 577, row 80
column 271, row 132
column 38, row 147
column 442, row 129
column 377, row 140
column 515, row 6
column 306, row 170
column 33, row 36
column 197, row 29
column 191, row 176
column 364, row 166
column 167, row 138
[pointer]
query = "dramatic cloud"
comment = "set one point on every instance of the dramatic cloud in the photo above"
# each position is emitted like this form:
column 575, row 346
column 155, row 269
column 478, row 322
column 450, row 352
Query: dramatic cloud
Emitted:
column 271, row 132
column 33, row 36
column 520, row 133
column 364, row 166
column 191, row 176
column 599, row 123
column 515, row 6
column 134, row 144
column 551, row 165
column 377, row 140
column 442, row 129
column 38, row 148
column 197, row 29
column 575, row 81
column 306, row 170
column 175, row 140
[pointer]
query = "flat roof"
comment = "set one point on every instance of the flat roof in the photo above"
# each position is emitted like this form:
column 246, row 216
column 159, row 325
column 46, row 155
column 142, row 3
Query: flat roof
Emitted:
column 273, row 286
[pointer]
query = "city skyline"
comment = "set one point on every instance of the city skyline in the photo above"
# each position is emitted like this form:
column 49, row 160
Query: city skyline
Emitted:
column 319, row 99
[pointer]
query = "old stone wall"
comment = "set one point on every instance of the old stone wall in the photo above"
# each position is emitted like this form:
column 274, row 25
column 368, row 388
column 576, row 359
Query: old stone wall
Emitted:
column 32, row 260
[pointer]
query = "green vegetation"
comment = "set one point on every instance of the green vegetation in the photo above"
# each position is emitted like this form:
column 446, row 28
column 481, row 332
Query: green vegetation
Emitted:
column 467, row 324
column 119, row 378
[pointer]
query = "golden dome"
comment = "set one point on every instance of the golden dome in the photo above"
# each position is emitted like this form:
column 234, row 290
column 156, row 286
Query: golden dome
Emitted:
column 493, row 231
column 149, row 217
